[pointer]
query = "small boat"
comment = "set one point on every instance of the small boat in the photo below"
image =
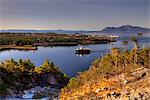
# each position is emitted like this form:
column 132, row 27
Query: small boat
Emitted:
column 83, row 50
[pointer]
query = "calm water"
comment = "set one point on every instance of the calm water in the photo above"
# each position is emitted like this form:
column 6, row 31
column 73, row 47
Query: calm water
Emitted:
column 65, row 57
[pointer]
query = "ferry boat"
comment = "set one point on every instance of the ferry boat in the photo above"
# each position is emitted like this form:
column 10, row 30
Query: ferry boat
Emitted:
column 82, row 50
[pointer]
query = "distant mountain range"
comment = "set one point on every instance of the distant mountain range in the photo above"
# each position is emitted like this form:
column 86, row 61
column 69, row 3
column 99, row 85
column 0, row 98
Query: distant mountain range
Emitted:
column 121, row 29
column 46, row 31
column 125, row 29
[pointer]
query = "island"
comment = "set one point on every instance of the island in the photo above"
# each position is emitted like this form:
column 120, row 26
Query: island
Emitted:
column 30, row 41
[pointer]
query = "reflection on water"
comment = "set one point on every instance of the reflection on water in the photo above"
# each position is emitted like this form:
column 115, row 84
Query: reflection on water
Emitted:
column 81, row 55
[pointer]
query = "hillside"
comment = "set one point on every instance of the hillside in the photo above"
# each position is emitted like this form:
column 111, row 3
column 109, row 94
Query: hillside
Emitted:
column 118, row 75
column 125, row 29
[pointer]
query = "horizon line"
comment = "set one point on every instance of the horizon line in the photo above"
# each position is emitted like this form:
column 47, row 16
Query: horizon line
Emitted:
column 73, row 29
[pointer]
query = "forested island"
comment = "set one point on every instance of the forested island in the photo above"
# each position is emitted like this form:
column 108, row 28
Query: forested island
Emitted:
column 29, row 41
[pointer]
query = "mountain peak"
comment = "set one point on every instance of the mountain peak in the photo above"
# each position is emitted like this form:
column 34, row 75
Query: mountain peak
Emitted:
column 125, row 29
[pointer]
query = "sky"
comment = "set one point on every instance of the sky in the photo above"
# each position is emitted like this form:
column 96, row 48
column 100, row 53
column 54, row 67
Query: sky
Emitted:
column 73, row 14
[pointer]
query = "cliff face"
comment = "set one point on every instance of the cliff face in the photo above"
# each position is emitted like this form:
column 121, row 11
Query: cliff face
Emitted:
column 115, row 76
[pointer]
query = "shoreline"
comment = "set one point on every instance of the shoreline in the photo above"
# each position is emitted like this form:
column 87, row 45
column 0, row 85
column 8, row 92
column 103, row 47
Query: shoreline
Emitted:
column 50, row 44
column 46, row 91
column 24, row 47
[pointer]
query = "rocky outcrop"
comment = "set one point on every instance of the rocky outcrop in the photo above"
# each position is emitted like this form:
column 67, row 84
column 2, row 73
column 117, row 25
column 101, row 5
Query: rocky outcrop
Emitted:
column 21, row 76
column 134, row 86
